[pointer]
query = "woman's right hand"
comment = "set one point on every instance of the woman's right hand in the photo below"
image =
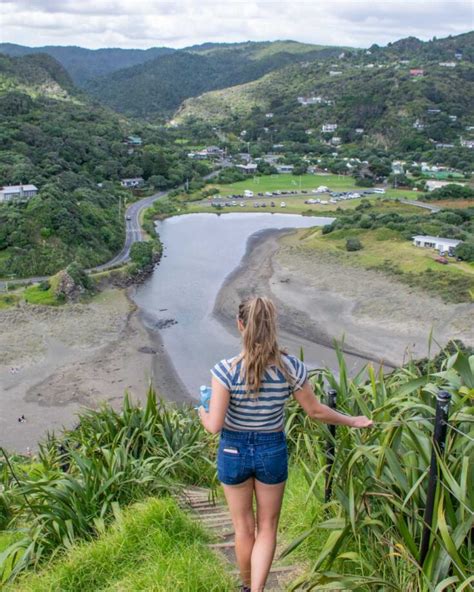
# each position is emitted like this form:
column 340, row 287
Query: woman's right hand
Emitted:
column 361, row 421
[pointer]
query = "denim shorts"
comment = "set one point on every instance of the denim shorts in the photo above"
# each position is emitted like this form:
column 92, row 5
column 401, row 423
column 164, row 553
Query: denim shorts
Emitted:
column 242, row 455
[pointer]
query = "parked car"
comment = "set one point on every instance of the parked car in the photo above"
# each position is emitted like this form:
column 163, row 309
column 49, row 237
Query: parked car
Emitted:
column 441, row 260
column 272, row 204
column 283, row 204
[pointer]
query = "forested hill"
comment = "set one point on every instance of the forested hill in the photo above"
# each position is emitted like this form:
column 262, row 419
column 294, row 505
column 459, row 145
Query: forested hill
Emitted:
column 84, row 64
column 372, row 96
column 73, row 150
column 159, row 86
column 38, row 74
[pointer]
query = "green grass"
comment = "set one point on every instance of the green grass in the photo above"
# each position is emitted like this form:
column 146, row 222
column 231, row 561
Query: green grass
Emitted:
column 154, row 546
column 8, row 300
column 301, row 509
column 387, row 251
column 35, row 295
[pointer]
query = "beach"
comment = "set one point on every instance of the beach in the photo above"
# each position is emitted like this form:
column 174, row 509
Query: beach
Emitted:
column 57, row 360
column 319, row 300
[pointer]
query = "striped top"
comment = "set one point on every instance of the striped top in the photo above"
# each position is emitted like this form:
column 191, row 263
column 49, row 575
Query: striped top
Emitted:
column 262, row 413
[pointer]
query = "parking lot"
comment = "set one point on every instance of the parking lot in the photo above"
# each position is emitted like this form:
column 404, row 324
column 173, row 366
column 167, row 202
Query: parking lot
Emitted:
column 281, row 199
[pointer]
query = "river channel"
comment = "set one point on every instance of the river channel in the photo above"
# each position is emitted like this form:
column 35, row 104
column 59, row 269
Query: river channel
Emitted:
column 201, row 250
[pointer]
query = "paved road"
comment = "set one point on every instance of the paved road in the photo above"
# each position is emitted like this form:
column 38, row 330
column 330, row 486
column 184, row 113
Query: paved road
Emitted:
column 133, row 233
column 421, row 204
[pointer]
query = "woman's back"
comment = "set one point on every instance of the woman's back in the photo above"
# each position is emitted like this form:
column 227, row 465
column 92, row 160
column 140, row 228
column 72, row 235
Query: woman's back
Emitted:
column 262, row 411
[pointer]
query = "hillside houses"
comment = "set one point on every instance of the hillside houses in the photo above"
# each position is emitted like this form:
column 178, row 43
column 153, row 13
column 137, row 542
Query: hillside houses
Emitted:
column 418, row 125
column 132, row 182
column 249, row 168
column 314, row 100
column 448, row 64
column 209, row 152
column 284, row 168
column 417, row 72
column 328, row 128
column 10, row 193
column 467, row 143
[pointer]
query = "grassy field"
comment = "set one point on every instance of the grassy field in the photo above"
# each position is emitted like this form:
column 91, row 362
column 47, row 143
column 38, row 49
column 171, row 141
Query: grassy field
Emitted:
column 306, row 182
column 386, row 251
column 382, row 245
column 154, row 546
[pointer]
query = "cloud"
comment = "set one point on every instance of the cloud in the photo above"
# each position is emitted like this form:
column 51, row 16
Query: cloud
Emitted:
column 178, row 23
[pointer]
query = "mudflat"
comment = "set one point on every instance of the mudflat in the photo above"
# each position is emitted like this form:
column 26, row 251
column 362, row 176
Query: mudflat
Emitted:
column 55, row 360
column 319, row 300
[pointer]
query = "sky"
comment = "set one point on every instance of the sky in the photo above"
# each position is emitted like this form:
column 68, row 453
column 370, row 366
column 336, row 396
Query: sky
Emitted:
column 180, row 23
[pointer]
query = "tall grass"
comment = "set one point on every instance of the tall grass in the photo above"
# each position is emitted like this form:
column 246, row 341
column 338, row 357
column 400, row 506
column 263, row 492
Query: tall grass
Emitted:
column 110, row 460
column 374, row 523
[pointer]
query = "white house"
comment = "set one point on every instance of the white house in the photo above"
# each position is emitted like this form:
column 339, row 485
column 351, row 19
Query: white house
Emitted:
column 309, row 100
column 419, row 125
column 448, row 64
column 250, row 168
column 335, row 73
column 17, row 192
column 284, row 168
column 132, row 182
column 329, row 127
column 359, row 130
column 443, row 245
column 467, row 143
column 432, row 185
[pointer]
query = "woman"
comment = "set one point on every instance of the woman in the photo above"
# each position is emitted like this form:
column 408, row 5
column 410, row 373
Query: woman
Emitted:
column 247, row 404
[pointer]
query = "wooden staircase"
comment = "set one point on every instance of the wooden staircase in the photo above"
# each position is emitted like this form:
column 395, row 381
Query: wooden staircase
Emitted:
column 215, row 516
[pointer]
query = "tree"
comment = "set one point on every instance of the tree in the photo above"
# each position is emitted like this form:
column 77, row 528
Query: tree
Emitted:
column 141, row 253
column 465, row 251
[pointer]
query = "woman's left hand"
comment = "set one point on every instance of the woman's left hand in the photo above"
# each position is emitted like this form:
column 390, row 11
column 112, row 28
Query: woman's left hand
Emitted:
column 361, row 421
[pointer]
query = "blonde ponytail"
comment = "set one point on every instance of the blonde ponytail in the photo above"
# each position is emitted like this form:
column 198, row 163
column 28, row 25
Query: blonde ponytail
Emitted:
column 260, row 347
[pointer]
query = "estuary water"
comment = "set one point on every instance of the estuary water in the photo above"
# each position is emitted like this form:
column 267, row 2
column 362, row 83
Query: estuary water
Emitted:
column 200, row 251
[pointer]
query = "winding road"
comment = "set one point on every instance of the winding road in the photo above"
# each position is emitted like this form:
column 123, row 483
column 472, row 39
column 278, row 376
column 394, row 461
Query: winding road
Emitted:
column 133, row 230
column 133, row 233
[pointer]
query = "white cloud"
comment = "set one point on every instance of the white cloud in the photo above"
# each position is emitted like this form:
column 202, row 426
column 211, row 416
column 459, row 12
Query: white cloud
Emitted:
column 146, row 23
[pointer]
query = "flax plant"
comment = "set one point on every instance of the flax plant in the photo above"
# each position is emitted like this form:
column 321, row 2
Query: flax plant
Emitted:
column 375, row 518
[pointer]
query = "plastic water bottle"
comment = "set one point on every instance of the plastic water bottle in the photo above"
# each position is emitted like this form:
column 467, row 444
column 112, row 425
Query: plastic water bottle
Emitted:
column 205, row 396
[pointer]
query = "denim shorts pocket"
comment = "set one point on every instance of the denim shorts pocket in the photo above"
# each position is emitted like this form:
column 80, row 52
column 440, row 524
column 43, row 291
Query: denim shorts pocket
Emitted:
column 229, row 464
column 275, row 464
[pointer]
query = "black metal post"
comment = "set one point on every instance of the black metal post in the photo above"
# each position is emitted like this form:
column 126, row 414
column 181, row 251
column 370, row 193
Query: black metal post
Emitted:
column 330, row 448
column 439, row 440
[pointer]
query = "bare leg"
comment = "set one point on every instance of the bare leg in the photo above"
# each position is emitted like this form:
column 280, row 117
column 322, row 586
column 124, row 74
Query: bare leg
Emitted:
column 240, row 501
column 269, row 498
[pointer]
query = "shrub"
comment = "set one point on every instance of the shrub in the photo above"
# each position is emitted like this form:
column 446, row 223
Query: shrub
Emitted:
column 465, row 251
column 353, row 244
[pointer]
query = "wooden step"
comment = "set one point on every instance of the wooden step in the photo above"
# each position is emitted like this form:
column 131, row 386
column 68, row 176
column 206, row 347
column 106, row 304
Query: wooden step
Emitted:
column 226, row 545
